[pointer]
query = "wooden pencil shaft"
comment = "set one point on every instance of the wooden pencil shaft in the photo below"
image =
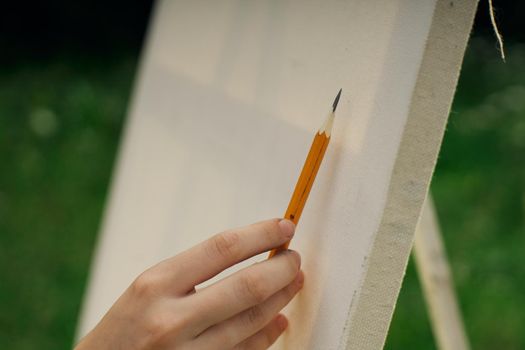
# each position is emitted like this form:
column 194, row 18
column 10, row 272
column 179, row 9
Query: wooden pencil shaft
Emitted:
column 305, row 182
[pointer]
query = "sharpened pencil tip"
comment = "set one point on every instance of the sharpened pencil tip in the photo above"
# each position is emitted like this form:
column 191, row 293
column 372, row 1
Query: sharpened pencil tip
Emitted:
column 336, row 101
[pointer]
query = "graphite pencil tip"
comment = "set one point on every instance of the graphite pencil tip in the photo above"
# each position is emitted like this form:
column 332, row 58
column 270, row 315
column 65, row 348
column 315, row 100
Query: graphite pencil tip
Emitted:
column 336, row 101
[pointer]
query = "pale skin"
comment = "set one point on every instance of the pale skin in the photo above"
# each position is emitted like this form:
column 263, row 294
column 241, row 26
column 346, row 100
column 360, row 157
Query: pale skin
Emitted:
column 162, row 309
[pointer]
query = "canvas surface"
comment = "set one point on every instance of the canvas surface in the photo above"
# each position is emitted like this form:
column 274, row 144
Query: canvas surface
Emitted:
column 228, row 99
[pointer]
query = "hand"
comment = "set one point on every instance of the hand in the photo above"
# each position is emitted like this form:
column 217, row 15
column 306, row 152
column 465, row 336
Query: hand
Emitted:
column 162, row 310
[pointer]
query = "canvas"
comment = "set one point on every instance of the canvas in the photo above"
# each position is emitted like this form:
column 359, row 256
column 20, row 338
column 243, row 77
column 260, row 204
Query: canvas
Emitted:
column 228, row 98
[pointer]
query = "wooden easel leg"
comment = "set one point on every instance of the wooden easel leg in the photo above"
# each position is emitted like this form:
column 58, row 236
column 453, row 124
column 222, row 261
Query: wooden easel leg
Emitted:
column 438, row 287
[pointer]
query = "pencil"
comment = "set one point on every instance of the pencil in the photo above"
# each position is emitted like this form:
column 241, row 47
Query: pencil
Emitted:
column 310, row 169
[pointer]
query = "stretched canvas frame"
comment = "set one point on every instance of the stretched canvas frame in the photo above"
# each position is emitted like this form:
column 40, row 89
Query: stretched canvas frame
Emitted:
column 228, row 97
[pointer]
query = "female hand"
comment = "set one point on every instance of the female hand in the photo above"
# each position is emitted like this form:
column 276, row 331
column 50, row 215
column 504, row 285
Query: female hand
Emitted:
column 162, row 310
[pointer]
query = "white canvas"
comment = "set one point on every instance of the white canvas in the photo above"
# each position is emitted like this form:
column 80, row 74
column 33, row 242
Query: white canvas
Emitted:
column 227, row 101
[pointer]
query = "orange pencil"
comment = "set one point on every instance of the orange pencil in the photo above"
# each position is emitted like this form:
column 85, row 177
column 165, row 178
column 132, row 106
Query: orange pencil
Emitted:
column 310, row 168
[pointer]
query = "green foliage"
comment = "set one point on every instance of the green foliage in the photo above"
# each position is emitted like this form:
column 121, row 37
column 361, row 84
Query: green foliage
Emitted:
column 59, row 130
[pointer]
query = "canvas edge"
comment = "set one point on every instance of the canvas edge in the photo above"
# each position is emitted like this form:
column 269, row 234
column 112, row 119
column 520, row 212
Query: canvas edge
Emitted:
column 370, row 314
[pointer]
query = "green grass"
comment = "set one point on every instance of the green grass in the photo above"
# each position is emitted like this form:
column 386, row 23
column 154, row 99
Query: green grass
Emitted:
column 59, row 130
column 60, row 124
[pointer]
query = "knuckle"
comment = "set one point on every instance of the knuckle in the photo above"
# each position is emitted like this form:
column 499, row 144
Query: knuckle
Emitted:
column 255, row 315
column 145, row 285
column 162, row 326
column 157, row 330
column 225, row 339
column 252, row 289
column 178, row 324
column 224, row 245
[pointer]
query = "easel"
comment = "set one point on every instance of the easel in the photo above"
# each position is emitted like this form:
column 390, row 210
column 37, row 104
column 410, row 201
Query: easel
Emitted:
column 438, row 287
column 253, row 64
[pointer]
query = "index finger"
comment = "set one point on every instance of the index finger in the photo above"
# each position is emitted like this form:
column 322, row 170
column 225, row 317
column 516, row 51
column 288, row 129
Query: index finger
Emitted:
column 223, row 250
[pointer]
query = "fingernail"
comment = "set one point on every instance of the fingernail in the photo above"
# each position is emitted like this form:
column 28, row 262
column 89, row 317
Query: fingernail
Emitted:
column 287, row 227
column 282, row 322
column 288, row 253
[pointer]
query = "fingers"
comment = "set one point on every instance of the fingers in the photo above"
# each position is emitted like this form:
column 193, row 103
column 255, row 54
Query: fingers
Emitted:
column 266, row 336
column 249, row 322
column 223, row 250
column 244, row 289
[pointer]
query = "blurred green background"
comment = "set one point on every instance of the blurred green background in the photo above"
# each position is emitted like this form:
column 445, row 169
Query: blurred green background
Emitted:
column 66, row 74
